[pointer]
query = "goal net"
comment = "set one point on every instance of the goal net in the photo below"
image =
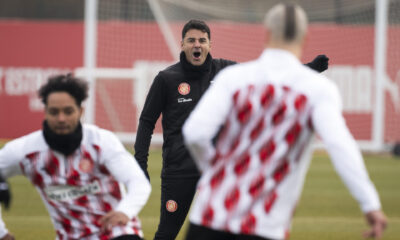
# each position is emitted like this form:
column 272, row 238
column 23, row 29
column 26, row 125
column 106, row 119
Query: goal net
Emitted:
column 138, row 38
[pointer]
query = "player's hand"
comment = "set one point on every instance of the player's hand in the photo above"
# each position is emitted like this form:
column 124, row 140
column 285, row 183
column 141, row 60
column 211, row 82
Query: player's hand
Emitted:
column 378, row 222
column 8, row 236
column 5, row 194
column 112, row 219
column 319, row 64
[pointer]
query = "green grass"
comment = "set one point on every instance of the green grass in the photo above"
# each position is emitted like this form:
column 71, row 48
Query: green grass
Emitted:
column 326, row 209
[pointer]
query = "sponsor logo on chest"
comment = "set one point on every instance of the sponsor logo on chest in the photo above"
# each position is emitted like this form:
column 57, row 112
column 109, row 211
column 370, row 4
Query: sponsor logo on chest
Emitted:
column 68, row 192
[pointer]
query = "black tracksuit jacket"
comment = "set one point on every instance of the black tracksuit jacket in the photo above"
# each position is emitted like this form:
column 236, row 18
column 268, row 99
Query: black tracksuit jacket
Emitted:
column 174, row 93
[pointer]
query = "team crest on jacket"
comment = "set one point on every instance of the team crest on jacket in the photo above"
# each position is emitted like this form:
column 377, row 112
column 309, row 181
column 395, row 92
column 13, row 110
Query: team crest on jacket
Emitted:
column 171, row 206
column 85, row 165
column 184, row 88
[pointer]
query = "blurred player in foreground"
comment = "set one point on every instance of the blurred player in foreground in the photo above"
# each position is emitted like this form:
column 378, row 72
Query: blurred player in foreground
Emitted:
column 174, row 93
column 269, row 109
column 78, row 169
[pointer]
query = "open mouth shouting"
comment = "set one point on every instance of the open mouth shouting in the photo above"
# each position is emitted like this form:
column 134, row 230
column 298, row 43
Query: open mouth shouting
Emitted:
column 196, row 55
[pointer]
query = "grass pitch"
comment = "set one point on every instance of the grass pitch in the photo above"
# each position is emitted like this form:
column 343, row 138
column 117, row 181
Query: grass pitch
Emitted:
column 326, row 209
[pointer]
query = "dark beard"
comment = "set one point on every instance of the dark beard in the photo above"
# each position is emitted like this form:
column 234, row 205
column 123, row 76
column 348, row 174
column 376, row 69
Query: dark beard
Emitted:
column 64, row 143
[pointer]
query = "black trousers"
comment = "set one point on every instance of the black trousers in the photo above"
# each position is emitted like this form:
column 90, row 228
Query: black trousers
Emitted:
column 197, row 232
column 176, row 197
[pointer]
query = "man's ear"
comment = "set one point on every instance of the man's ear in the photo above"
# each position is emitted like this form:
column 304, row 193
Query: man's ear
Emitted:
column 182, row 44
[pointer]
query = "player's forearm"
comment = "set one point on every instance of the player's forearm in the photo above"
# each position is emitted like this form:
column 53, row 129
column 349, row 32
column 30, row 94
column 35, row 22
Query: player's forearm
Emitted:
column 348, row 161
column 126, row 170
column 349, row 164
column 138, row 192
column 138, row 189
column 345, row 154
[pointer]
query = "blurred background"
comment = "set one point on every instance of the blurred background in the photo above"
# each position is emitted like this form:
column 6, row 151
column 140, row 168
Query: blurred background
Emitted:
column 119, row 46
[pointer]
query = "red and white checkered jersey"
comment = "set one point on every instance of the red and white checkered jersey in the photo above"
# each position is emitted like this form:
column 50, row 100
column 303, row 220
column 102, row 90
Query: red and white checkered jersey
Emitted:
column 265, row 112
column 79, row 189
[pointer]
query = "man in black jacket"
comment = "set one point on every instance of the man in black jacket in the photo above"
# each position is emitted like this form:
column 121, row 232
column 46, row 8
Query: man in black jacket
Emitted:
column 175, row 92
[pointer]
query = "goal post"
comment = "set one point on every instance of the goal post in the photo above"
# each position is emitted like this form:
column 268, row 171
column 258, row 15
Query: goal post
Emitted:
column 380, row 65
column 134, row 39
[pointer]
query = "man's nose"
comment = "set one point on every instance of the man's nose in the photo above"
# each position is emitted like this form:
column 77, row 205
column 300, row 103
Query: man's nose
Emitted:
column 61, row 117
column 197, row 43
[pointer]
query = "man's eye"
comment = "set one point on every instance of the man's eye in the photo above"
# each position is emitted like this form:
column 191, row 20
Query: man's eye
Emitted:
column 69, row 111
column 53, row 112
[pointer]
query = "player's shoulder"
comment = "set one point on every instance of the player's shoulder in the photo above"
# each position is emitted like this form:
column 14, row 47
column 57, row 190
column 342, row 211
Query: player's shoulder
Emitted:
column 176, row 67
column 32, row 142
column 236, row 76
column 318, row 83
column 237, row 70
column 91, row 129
column 222, row 63
column 318, row 79
column 171, row 72
column 96, row 135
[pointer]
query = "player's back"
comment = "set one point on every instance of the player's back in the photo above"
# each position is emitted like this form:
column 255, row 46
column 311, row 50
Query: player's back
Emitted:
column 261, row 154
column 271, row 97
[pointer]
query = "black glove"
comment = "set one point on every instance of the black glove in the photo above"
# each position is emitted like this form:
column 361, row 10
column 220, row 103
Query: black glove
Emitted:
column 5, row 194
column 319, row 64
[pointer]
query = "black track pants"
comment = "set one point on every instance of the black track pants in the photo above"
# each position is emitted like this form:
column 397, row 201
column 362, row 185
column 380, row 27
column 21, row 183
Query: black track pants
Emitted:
column 176, row 196
column 197, row 232
column 128, row 237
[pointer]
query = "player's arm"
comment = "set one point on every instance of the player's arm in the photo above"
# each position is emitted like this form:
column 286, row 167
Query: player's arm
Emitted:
column 126, row 170
column 10, row 156
column 204, row 122
column 319, row 63
column 151, row 112
column 329, row 123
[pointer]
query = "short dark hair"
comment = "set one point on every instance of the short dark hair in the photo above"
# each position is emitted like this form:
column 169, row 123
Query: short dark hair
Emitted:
column 76, row 87
column 196, row 24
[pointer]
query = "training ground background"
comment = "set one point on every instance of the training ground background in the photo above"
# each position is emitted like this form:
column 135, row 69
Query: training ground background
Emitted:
column 326, row 209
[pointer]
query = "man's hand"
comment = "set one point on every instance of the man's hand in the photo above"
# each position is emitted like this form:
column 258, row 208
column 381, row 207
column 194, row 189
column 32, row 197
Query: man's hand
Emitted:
column 319, row 64
column 8, row 236
column 5, row 194
column 378, row 222
column 111, row 219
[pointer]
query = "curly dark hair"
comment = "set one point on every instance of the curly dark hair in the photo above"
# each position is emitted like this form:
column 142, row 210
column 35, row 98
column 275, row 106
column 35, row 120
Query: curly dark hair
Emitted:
column 196, row 24
column 76, row 87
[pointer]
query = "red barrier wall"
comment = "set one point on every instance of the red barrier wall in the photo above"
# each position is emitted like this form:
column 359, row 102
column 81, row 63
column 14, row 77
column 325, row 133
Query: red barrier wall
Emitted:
column 31, row 51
